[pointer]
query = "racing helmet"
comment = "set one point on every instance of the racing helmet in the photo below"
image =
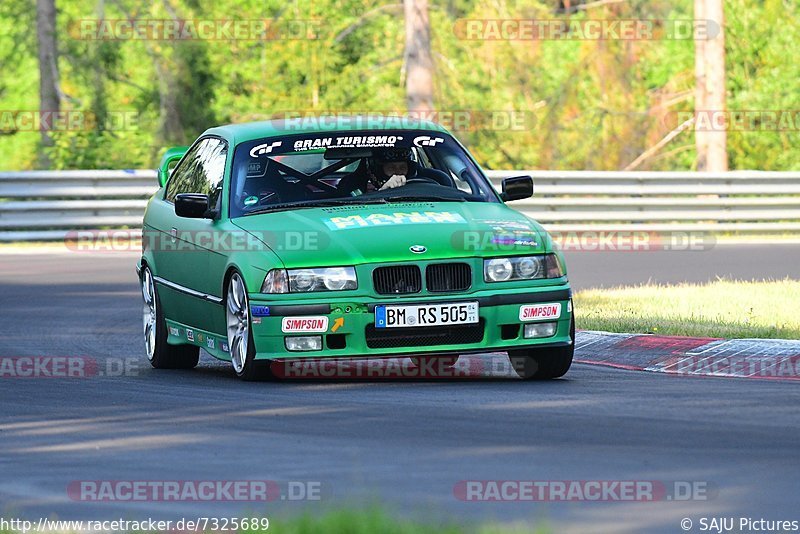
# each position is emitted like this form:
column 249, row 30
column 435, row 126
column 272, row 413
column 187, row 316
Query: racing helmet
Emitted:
column 376, row 162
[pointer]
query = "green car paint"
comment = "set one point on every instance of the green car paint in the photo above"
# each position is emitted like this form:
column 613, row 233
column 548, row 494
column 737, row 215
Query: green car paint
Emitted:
column 193, row 258
column 172, row 155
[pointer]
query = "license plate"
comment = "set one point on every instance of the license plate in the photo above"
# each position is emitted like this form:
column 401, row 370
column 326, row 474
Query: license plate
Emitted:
column 387, row 316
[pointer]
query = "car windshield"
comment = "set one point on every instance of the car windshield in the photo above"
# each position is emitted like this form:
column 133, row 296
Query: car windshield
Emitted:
column 332, row 168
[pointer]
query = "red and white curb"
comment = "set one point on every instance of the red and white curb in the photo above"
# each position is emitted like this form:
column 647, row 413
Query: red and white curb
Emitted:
column 774, row 359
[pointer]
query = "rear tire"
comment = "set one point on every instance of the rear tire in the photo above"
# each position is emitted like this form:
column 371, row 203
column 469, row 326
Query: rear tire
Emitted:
column 161, row 354
column 544, row 364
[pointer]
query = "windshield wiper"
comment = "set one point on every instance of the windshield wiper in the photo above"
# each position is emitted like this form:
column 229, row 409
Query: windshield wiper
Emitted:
column 316, row 204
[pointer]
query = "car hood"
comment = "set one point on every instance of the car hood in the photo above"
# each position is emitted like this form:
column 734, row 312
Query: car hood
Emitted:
column 351, row 235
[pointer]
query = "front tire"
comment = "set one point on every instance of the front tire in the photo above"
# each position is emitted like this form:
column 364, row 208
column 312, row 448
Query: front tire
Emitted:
column 154, row 327
column 544, row 364
column 240, row 333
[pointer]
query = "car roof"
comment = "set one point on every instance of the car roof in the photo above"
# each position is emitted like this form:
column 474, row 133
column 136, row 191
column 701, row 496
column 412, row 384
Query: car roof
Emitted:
column 247, row 131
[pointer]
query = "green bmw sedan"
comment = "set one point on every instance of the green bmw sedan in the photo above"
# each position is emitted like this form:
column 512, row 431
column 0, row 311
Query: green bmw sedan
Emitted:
column 274, row 241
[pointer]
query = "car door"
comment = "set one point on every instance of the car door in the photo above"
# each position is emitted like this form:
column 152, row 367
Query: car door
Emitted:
column 192, row 292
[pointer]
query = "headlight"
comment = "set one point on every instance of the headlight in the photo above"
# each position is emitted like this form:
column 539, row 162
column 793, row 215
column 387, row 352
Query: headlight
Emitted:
column 528, row 267
column 339, row 278
column 497, row 270
column 307, row 280
column 522, row 268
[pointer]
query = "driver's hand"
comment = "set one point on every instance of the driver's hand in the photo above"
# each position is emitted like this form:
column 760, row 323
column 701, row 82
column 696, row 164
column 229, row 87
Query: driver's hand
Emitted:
column 397, row 180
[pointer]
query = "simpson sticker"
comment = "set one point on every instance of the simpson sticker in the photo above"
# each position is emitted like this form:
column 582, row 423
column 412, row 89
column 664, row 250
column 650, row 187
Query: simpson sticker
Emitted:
column 224, row 347
column 174, row 331
column 210, row 343
column 426, row 140
column 305, row 324
column 386, row 219
column 540, row 311
column 190, row 334
column 266, row 148
column 349, row 141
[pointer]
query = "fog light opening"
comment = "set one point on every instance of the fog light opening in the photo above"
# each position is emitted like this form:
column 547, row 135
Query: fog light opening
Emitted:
column 303, row 343
column 540, row 330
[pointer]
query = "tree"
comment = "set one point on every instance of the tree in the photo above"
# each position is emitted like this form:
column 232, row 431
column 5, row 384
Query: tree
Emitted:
column 418, row 59
column 49, row 92
column 710, row 140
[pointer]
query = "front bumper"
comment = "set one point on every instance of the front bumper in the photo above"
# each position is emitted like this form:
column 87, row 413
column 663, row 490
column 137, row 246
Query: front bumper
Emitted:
column 350, row 325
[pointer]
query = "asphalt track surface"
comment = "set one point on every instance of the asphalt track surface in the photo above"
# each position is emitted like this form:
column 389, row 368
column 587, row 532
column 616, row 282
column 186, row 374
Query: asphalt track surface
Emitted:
column 403, row 444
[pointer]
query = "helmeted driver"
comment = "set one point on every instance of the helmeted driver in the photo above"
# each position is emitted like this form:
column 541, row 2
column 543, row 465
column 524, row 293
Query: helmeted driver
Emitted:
column 386, row 170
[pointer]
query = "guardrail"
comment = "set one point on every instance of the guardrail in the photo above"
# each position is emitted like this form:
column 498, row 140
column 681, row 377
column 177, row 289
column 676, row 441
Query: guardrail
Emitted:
column 47, row 205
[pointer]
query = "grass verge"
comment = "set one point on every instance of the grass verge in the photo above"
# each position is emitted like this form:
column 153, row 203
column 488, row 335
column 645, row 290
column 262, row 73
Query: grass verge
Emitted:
column 723, row 308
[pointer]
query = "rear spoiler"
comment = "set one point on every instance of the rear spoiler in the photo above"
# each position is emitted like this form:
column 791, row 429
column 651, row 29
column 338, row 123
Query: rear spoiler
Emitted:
column 172, row 155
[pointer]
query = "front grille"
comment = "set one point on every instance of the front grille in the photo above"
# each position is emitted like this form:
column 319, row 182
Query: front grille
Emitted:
column 441, row 277
column 390, row 338
column 397, row 279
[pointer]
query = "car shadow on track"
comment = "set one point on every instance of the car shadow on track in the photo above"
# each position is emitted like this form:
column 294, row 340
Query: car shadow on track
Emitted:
column 490, row 367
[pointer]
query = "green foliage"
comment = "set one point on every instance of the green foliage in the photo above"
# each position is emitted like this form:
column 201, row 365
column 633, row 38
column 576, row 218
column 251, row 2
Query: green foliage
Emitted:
column 764, row 74
column 581, row 104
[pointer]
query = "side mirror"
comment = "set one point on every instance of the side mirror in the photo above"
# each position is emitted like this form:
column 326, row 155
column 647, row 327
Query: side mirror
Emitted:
column 517, row 188
column 192, row 206
column 172, row 155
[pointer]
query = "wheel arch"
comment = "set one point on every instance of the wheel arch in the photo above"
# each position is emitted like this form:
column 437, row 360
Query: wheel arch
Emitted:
column 147, row 260
column 229, row 270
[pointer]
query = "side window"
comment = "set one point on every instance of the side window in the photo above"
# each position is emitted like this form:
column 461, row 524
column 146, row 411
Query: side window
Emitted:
column 201, row 171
